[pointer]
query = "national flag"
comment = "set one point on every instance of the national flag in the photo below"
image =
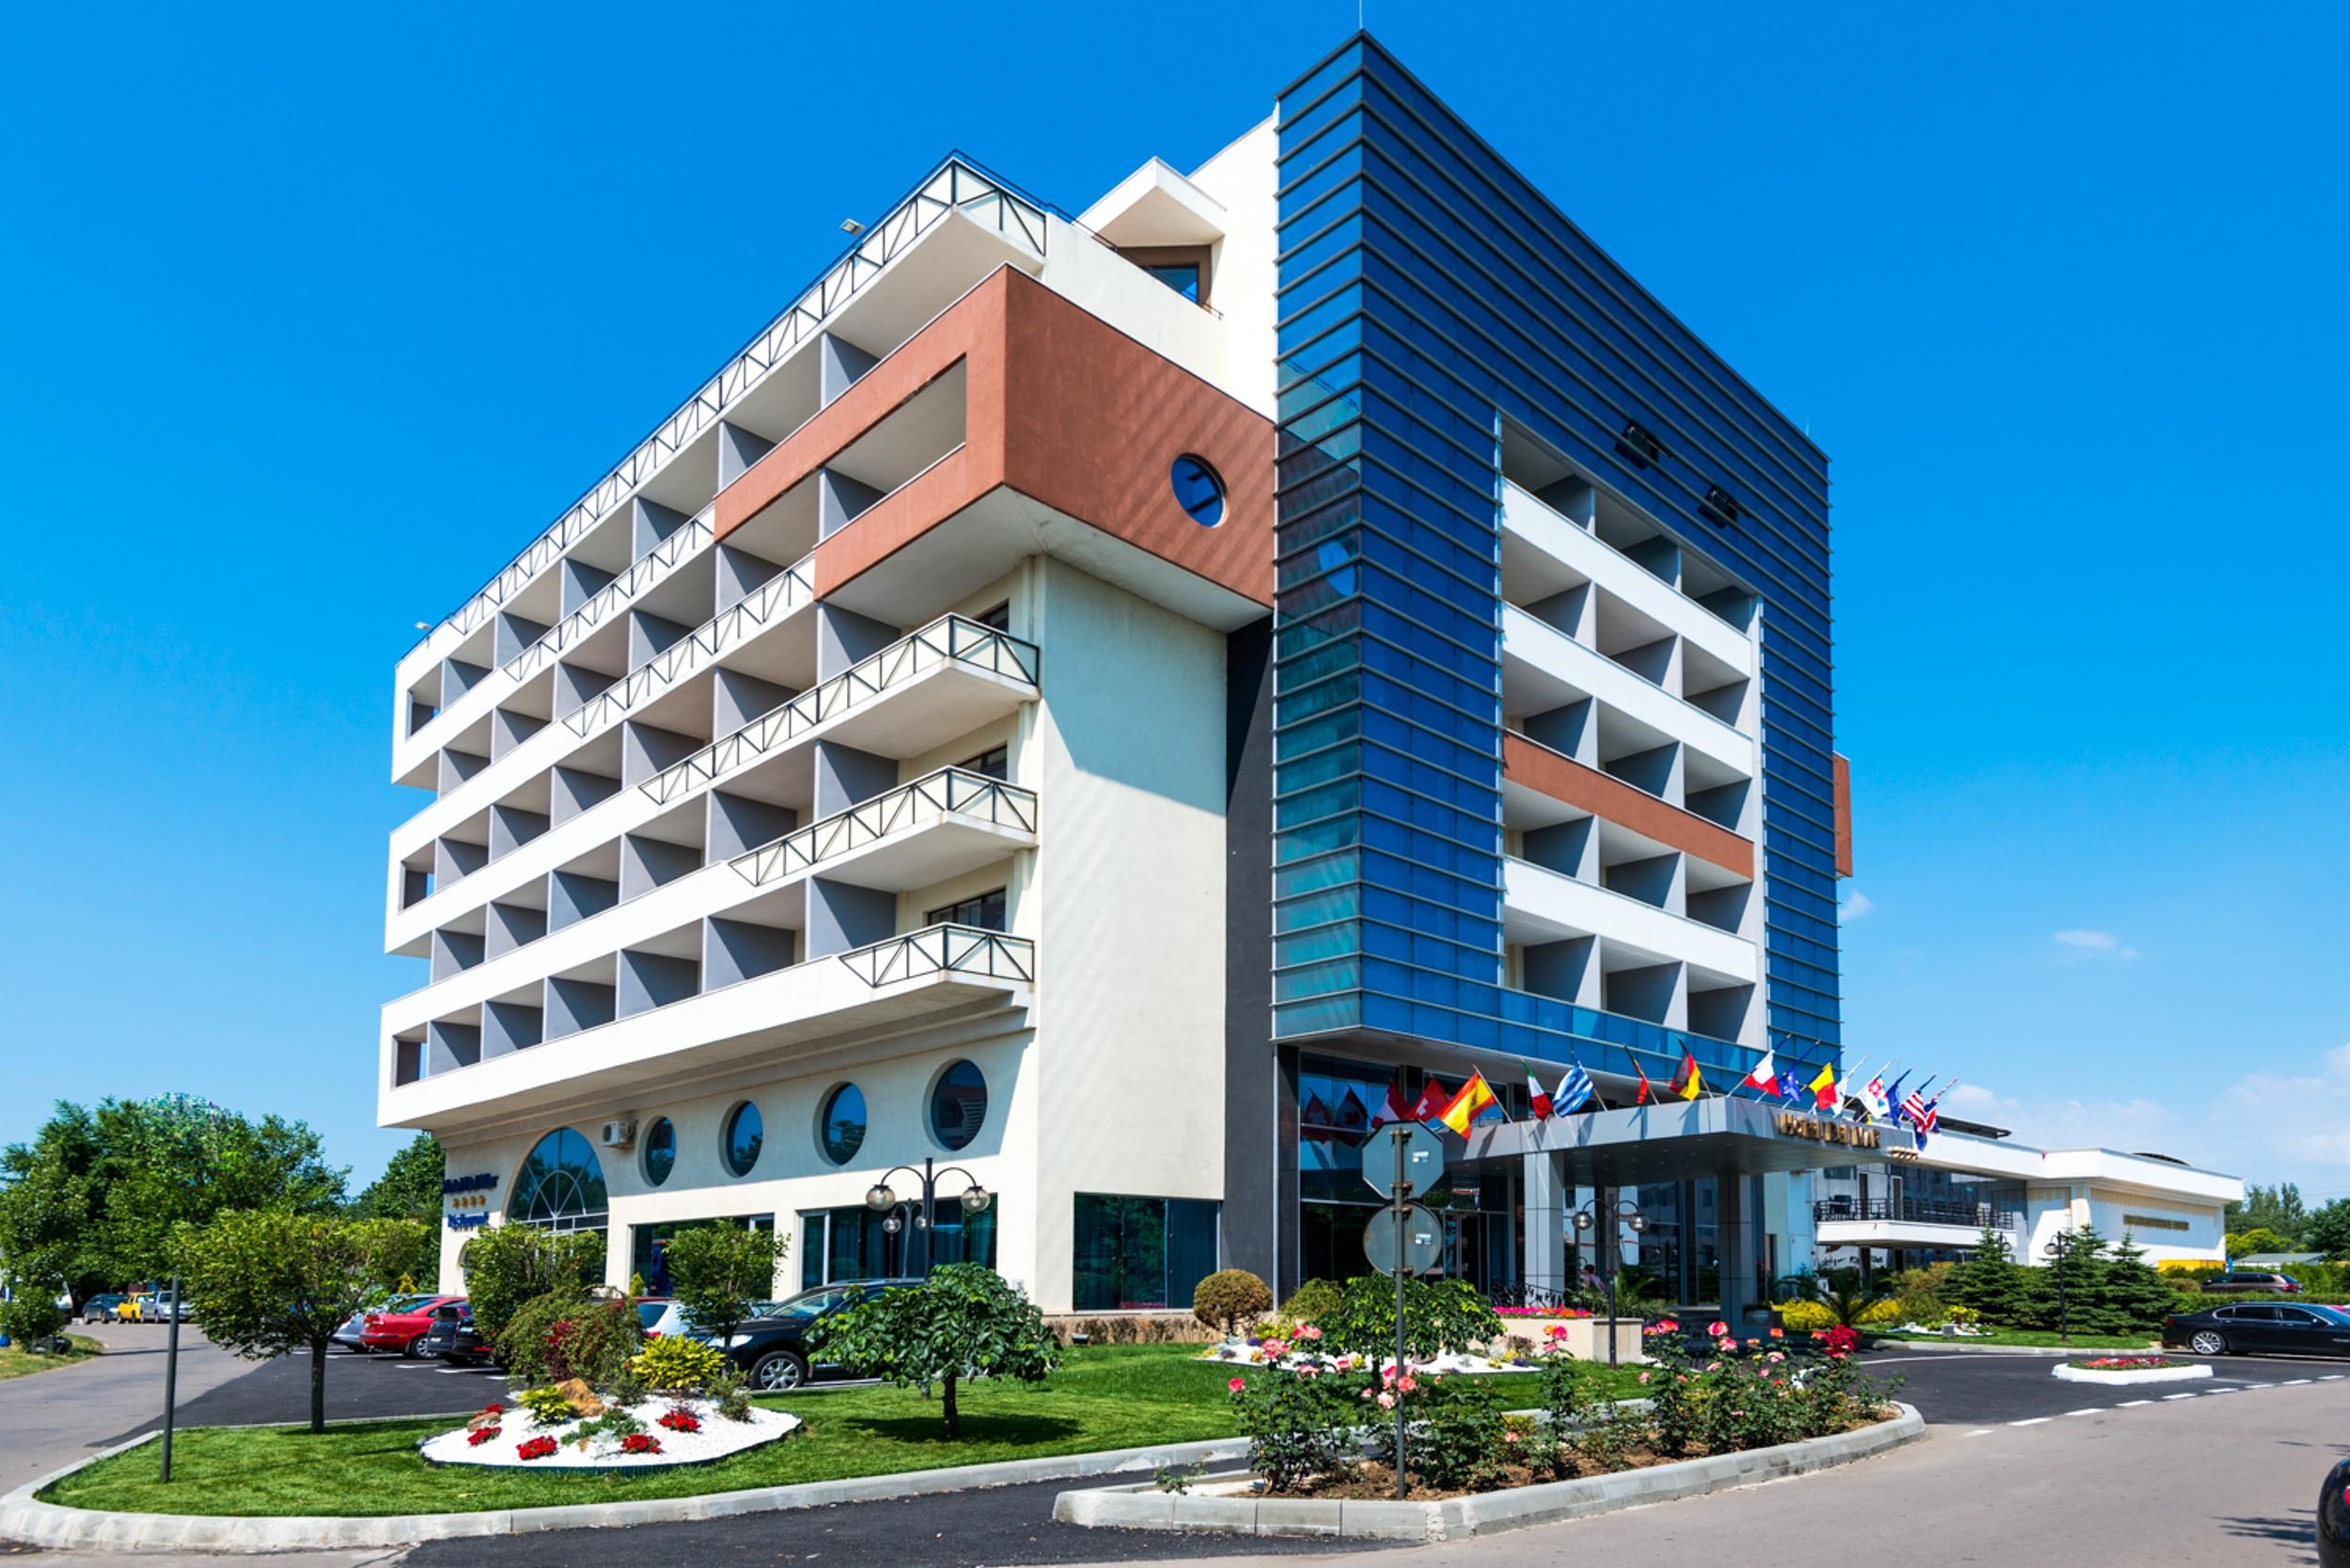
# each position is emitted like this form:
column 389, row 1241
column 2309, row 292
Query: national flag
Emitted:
column 1641, row 1097
column 1822, row 1087
column 1353, row 1118
column 1873, row 1097
column 1393, row 1110
column 1765, row 1074
column 1575, row 1091
column 1537, row 1097
column 1688, row 1083
column 1315, row 1118
column 1790, row 1083
column 1474, row 1097
column 1431, row 1103
column 1914, row 1110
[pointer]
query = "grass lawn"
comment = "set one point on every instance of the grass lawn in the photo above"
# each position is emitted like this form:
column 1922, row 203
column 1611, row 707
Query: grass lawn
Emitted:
column 1103, row 1397
column 2031, row 1337
column 17, row 1361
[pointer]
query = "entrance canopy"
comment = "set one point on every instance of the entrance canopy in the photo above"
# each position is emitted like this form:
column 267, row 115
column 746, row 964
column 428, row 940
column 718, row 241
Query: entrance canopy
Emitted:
column 1719, row 1134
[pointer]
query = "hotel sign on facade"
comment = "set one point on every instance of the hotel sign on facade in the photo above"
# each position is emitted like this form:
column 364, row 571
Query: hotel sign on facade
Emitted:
column 1820, row 1130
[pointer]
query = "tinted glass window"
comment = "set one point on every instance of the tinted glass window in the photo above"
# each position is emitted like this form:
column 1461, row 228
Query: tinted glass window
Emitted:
column 560, row 1185
column 1197, row 490
column 1184, row 278
column 841, row 1127
column 959, row 1105
column 2254, row 1314
column 745, row 1134
column 986, row 911
column 660, row 1151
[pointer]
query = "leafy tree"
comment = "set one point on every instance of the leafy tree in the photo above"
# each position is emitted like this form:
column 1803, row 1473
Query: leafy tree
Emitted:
column 1439, row 1315
column 721, row 1273
column 267, row 1283
column 2329, row 1230
column 961, row 1321
column 1230, row 1299
column 2279, row 1208
column 2260, row 1238
column 506, row 1265
column 51, row 1203
column 409, row 1187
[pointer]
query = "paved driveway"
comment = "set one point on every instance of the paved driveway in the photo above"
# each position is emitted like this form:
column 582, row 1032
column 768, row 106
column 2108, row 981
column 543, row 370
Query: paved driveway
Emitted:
column 51, row 1419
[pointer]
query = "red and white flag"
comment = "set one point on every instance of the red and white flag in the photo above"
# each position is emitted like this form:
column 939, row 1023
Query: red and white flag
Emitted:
column 1537, row 1097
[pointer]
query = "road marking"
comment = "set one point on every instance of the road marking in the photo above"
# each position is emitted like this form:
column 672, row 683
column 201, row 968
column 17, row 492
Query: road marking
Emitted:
column 1978, row 1431
column 2036, row 1420
column 2086, row 1410
column 2333, row 1377
column 2222, row 1391
column 2132, row 1404
column 2292, row 1382
column 2167, row 1397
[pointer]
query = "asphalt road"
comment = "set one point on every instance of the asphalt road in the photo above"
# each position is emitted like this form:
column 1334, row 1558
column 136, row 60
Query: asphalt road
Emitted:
column 358, row 1387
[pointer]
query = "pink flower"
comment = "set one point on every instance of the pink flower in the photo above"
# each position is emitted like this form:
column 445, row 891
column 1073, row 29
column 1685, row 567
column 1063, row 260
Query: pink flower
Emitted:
column 1730, row 1345
column 1387, row 1402
column 1387, row 1374
column 1717, row 1328
column 1308, row 1331
column 1237, row 1385
column 1364, row 1394
column 1644, row 1377
column 1406, row 1385
column 1558, row 1330
column 1779, row 1333
column 1713, row 1366
column 1510, row 1437
column 1776, row 1356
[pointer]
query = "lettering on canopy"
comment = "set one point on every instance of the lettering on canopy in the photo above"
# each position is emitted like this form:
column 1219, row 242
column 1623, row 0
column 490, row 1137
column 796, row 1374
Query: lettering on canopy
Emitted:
column 1822, row 1131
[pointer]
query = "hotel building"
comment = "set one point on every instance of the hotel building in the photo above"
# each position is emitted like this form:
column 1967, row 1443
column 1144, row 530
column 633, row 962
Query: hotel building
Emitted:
column 1091, row 700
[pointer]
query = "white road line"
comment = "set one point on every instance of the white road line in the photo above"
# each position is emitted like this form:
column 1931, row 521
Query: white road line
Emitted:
column 1978, row 1431
column 2222, row 1390
column 2086, row 1410
column 2292, row 1382
column 2132, row 1404
column 2333, row 1377
column 2168, row 1397
column 2036, row 1420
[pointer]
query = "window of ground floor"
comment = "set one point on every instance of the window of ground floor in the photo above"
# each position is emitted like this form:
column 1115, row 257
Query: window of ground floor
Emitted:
column 858, row 1243
column 1141, row 1254
column 649, row 1246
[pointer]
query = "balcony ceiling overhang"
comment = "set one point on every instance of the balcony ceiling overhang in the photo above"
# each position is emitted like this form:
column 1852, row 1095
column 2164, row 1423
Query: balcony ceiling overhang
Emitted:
column 1720, row 1135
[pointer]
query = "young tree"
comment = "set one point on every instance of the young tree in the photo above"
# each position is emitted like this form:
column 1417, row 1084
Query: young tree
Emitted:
column 409, row 1187
column 721, row 1273
column 2141, row 1297
column 961, row 1321
column 506, row 1265
column 2260, row 1238
column 1990, row 1282
column 2329, row 1230
column 267, row 1283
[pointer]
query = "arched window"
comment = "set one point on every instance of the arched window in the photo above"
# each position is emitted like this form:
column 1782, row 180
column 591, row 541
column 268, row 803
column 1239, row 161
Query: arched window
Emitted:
column 560, row 1186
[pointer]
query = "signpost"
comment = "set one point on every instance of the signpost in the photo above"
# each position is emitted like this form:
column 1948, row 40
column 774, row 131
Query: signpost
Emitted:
column 1404, row 1238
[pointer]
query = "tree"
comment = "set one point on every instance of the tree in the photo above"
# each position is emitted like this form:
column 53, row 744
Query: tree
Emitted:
column 31, row 1314
column 1990, row 1282
column 961, row 1321
column 506, row 1265
column 267, row 1283
column 2141, row 1296
column 1439, row 1315
column 409, row 1187
column 2279, row 1208
column 721, row 1273
column 51, row 1204
column 2329, row 1230
column 2260, row 1238
column 1231, row 1299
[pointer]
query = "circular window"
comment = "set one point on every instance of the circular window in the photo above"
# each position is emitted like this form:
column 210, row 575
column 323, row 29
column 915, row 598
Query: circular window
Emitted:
column 660, row 1151
column 840, row 1126
column 560, row 1186
column 957, row 1105
column 743, row 1134
column 1198, row 491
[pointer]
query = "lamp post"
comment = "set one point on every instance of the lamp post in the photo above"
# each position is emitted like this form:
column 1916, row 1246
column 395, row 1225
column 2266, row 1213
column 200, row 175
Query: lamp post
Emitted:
column 880, row 1200
column 2061, row 1247
column 1629, row 1224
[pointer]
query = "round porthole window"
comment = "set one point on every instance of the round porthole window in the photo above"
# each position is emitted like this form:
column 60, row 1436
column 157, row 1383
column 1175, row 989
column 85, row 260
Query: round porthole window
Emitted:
column 958, row 1105
column 840, row 1126
column 660, row 1151
column 1197, row 490
column 744, row 1134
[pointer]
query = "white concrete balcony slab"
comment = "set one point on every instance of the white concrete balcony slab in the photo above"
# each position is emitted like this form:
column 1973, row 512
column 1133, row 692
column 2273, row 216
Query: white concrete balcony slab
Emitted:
column 1911, row 1222
column 1542, row 668
column 1896, row 1233
column 771, row 1020
column 939, row 826
column 1527, row 523
column 1542, row 905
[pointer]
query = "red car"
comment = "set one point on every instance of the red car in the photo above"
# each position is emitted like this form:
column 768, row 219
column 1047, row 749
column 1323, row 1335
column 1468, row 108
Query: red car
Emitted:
column 401, row 1327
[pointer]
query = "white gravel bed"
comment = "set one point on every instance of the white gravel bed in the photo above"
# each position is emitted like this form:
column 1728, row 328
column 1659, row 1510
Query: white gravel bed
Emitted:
column 1241, row 1356
column 717, row 1439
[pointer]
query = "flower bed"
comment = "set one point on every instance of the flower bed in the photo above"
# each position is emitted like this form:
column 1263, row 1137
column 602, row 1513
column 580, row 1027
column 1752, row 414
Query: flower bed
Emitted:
column 2127, row 1369
column 655, row 1433
column 1302, row 1351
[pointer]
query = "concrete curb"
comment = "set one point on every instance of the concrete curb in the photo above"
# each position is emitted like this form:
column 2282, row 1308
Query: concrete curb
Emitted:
column 25, row 1518
column 1136, row 1507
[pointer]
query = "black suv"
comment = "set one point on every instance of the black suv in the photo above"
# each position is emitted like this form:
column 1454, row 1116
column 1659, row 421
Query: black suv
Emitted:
column 771, row 1352
column 2251, row 1280
column 454, row 1338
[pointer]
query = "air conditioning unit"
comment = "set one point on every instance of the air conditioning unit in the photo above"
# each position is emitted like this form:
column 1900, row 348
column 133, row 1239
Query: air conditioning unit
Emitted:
column 619, row 1135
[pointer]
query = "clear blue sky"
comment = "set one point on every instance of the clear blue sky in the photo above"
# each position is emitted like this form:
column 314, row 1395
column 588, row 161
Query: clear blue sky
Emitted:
column 312, row 318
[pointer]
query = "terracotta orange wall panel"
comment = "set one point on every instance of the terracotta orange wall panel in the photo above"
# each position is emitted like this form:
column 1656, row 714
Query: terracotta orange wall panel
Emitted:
column 1538, row 767
column 1843, row 814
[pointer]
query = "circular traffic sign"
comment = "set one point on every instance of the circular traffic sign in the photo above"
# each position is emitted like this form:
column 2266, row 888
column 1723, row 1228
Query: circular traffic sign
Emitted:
column 1423, row 1160
column 1413, row 1242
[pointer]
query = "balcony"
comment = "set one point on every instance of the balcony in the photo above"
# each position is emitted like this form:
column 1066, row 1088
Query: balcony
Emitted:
column 701, row 648
column 1543, row 553
column 939, row 826
column 771, row 1020
column 1543, row 905
column 1543, row 668
column 1940, row 1222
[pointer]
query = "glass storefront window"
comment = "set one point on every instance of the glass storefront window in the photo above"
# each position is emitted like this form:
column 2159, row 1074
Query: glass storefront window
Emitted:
column 560, row 1186
column 1139, row 1254
column 649, row 1246
column 854, row 1243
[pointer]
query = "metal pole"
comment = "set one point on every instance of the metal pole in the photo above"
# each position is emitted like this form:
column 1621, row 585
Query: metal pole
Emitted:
column 1398, row 1137
column 929, row 1209
column 171, row 1374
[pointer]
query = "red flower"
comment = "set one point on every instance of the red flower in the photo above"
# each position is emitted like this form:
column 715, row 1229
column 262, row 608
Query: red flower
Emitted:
column 1236, row 1385
column 536, row 1447
column 494, row 1409
column 640, row 1442
column 678, row 1419
column 481, row 1435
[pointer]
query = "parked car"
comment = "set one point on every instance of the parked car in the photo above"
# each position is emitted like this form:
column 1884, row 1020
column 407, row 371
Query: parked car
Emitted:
column 453, row 1338
column 2252, row 1279
column 772, row 1351
column 100, row 1308
column 660, row 1315
column 2258, row 1326
column 2333, row 1518
column 163, row 1306
column 351, row 1335
column 401, row 1329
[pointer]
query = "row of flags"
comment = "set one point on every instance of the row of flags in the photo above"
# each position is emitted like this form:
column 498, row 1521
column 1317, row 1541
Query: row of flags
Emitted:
column 1826, row 1091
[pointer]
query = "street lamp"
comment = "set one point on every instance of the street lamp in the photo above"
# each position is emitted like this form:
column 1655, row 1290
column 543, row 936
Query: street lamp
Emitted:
column 1629, row 1223
column 880, row 1198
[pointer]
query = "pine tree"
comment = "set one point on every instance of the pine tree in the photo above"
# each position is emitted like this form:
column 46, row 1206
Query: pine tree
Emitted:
column 1990, row 1282
column 2141, row 1296
column 2073, row 1292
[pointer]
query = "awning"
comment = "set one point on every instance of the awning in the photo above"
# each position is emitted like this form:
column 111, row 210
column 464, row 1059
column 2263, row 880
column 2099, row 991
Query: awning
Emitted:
column 1718, row 1135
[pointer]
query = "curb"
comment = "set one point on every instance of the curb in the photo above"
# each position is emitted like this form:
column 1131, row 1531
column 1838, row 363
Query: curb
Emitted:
column 1134, row 1508
column 24, row 1517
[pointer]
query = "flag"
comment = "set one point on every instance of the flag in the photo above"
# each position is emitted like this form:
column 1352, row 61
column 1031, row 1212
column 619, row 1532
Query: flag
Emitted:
column 1765, row 1074
column 1353, row 1118
column 1641, row 1097
column 1315, row 1118
column 1688, row 1083
column 1874, row 1099
column 1575, row 1091
column 1914, row 1110
column 1822, row 1087
column 1790, row 1083
column 1537, row 1097
column 1431, row 1103
column 1474, row 1097
column 1394, row 1110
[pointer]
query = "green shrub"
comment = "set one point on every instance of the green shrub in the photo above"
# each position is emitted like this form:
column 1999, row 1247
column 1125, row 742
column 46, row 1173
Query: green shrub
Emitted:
column 962, row 1322
column 1459, row 1440
column 506, row 1265
column 719, row 1272
column 1438, row 1316
column 1297, row 1422
column 677, row 1365
column 1805, row 1317
column 562, row 1334
column 1313, row 1301
column 33, row 1316
column 547, row 1406
column 1229, row 1297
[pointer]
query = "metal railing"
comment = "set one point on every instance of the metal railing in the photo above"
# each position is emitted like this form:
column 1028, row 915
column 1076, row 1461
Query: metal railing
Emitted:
column 641, row 574
column 780, row 594
column 1921, row 1211
column 949, row 639
column 955, row 187
column 943, row 950
column 934, row 797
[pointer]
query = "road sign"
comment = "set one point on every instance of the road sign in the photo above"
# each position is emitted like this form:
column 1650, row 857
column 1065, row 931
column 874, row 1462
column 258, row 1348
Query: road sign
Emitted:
column 1414, row 1244
column 1423, row 1158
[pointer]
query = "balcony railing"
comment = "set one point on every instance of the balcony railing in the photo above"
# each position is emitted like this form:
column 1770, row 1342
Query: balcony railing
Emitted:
column 1918, row 1210
column 641, row 574
column 943, row 950
column 779, row 595
column 949, row 640
column 955, row 187
column 934, row 797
